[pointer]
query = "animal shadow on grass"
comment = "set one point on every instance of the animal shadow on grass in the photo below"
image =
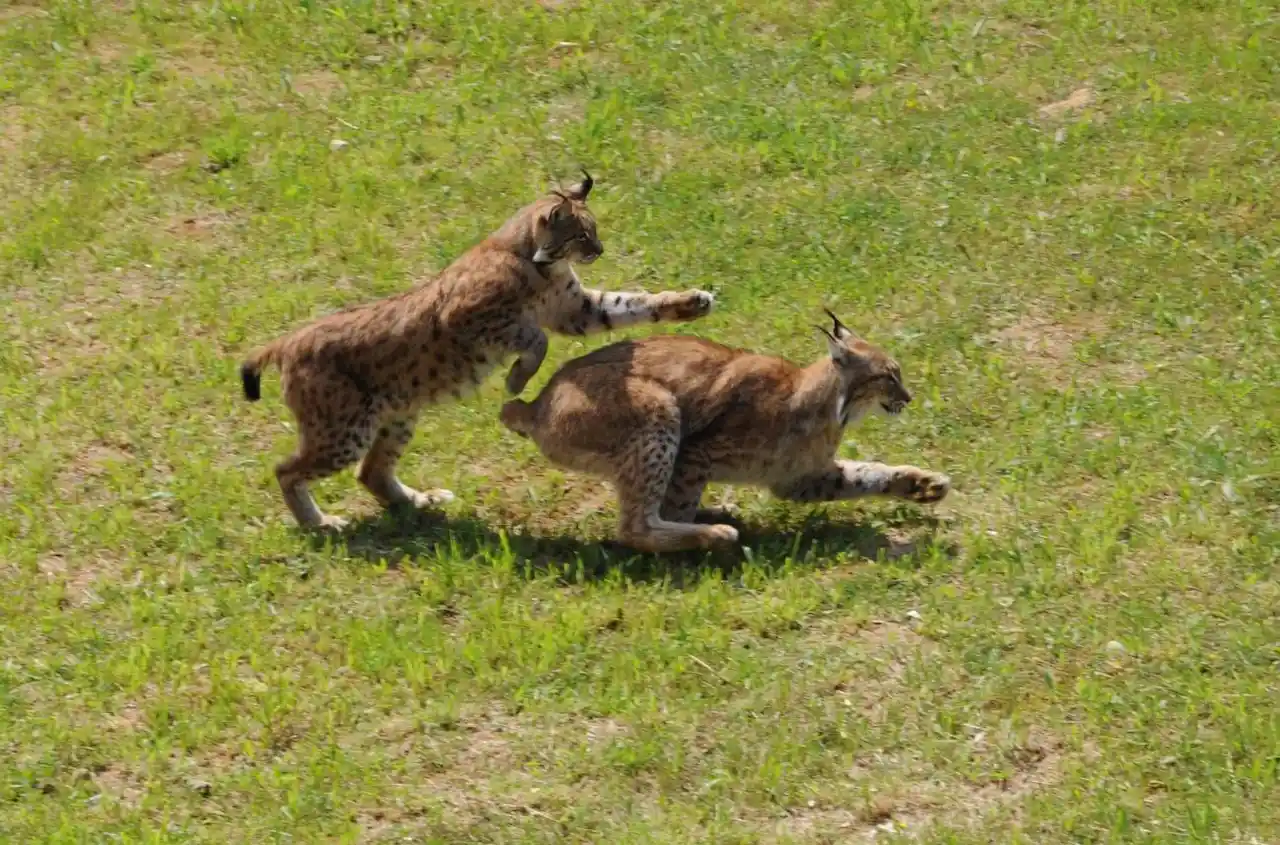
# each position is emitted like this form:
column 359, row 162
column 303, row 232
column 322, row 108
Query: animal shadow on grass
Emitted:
column 816, row 543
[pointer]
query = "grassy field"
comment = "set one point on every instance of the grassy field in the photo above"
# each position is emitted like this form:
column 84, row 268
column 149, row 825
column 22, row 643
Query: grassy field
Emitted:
column 1061, row 217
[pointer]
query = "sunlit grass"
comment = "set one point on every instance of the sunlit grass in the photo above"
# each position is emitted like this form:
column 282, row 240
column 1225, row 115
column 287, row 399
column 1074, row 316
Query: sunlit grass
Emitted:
column 1082, row 644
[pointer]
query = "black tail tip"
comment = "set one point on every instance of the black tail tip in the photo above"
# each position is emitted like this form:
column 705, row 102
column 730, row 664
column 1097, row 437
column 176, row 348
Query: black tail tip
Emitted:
column 252, row 381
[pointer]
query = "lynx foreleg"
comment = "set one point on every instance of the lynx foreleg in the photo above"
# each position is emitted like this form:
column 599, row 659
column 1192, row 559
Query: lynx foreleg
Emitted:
column 586, row 311
column 855, row 479
column 532, row 343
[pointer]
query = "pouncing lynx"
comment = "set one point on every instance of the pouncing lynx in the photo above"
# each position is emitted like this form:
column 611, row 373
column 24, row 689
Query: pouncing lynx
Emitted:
column 663, row 416
column 357, row 380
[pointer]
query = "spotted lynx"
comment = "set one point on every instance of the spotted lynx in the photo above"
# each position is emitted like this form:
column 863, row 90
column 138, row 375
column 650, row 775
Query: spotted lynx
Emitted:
column 357, row 380
column 663, row 416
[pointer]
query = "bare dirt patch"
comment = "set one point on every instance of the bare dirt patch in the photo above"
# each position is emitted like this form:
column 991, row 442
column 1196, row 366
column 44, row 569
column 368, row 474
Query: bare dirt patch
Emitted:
column 197, row 226
column 884, row 650
column 1047, row 344
column 1043, row 340
column 195, row 66
column 166, row 163
column 120, row 783
column 906, row 794
column 1115, row 193
column 482, row 751
column 14, row 134
column 70, row 327
column 321, row 84
column 566, row 109
column 129, row 718
column 902, row 798
column 18, row 11
column 93, row 461
column 601, row 732
column 78, row 581
column 1078, row 99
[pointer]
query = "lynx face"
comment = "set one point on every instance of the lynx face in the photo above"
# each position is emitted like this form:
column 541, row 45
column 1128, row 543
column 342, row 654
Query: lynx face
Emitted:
column 566, row 229
column 870, row 380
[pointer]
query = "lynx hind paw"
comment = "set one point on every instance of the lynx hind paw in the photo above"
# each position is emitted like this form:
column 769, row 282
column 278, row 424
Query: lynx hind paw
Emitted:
column 425, row 499
column 330, row 524
column 690, row 305
column 923, row 487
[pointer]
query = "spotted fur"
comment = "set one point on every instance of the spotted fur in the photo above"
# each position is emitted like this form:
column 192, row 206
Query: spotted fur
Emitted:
column 357, row 380
column 664, row 416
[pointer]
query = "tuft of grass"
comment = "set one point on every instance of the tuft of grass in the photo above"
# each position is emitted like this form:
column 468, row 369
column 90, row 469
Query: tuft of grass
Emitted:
column 1060, row 217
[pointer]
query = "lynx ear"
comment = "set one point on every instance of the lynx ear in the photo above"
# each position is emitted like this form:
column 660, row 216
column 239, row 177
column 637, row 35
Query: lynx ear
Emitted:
column 582, row 189
column 838, row 351
column 557, row 212
column 839, row 329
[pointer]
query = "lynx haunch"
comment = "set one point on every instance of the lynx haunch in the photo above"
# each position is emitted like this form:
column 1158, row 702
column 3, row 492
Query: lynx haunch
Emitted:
column 357, row 380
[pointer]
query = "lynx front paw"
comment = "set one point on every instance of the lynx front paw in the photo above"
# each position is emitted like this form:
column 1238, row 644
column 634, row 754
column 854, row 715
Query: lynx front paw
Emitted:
column 921, row 486
column 689, row 305
column 720, row 535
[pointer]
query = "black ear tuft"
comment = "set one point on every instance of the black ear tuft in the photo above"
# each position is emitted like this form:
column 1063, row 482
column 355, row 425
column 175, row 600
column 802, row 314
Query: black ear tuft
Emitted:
column 839, row 329
column 583, row 188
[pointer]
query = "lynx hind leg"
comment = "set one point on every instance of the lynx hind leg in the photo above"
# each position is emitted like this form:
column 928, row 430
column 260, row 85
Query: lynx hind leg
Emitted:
column 643, row 480
column 688, row 481
column 378, row 469
column 323, row 449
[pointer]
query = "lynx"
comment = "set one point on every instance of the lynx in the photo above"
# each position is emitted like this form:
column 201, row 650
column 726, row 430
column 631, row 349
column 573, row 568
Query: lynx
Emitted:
column 357, row 380
column 663, row 416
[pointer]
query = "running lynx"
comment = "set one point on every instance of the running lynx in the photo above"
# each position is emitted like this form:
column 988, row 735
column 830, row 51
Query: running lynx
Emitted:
column 663, row 416
column 357, row 380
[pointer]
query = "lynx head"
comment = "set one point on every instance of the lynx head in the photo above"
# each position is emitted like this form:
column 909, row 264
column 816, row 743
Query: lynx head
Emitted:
column 563, row 228
column 869, row 379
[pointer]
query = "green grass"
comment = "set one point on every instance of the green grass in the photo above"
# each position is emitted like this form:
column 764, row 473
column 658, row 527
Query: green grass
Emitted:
column 1082, row 644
